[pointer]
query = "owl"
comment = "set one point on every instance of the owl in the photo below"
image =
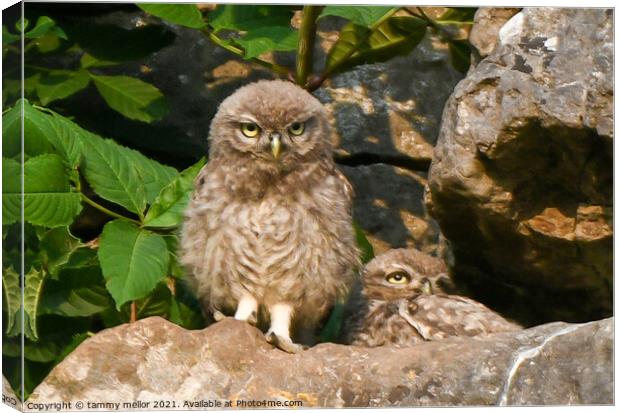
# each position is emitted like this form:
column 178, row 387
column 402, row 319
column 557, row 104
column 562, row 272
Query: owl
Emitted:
column 406, row 297
column 268, row 235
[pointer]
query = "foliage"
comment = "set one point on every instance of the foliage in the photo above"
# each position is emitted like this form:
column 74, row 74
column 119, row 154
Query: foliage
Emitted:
column 76, row 282
column 95, row 281
column 372, row 34
column 98, row 47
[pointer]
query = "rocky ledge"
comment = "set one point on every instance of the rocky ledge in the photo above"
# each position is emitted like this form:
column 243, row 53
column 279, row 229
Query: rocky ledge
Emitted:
column 154, row 360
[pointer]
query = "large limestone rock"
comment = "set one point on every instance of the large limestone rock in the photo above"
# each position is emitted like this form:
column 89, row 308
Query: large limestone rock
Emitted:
column 153, row 360
column 521, row 181
column 485, row 30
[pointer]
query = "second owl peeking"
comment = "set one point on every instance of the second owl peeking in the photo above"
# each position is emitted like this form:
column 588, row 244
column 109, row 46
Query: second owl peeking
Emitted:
column 268, row 234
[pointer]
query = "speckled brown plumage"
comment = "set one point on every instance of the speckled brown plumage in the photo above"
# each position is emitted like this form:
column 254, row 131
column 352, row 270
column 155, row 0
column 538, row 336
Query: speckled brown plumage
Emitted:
column 275, row 227
column 421, row 308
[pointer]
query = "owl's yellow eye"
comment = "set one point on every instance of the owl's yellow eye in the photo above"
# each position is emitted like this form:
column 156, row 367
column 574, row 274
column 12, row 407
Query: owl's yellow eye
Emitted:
column 398, row 277
column 296, row 128
column 250, row 129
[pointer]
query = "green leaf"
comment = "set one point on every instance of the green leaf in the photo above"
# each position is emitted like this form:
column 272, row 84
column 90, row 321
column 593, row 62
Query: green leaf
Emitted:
column 267, row 39
column 43, row 133
column 11, row 300
column 76, row 340
column 156, row 304
column 246, row 17
column 132, row 97
column 362, row 15
column 21, row 25
column 59, row 85
column 458, row 15
column 357, row 44
column 460, row 54
column 56, row 247
column 78, row 292
column 111, row 173
column 48, row 199
column 175, row 269
column 43, row 26
column 8, row 37
column 153, row 174
column 184, row 315
column 185, row 310
column 35, row 137
column 167, row 210
column 331, row 331
column 88, row 60
column 32, row 296
column 48, row 43
column 187, row 15
column 133, row 260
column 11, row 89
column 366, row 249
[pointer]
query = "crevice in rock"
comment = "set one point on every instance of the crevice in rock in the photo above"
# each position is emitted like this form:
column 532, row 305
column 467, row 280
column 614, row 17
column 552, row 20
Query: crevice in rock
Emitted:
column 366, row 158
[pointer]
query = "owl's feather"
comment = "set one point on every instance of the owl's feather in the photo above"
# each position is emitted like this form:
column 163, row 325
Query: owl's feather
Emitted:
column 279, row 230
column 405, row 315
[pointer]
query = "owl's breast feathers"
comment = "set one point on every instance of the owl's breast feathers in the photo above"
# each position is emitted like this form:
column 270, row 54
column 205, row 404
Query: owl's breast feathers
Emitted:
column 409, row 321
column 291, row 240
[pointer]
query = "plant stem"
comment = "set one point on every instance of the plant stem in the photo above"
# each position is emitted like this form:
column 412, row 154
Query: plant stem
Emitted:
column 281, row 70
column 106, row 210
column 133, row 316
column 305, row 46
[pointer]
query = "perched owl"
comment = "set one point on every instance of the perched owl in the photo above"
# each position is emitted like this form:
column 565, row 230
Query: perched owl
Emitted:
column 268, row 234
column 407, row 297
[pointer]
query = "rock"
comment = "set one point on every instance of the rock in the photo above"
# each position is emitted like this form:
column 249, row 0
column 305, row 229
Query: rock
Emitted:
column 8, row 395
column 485, row 30
column 154, row 360
column 386, row 119
column 521, row 180
column 388, row 205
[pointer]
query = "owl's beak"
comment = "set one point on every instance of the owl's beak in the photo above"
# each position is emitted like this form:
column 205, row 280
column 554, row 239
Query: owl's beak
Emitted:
column 276, row 145
column 427, row 288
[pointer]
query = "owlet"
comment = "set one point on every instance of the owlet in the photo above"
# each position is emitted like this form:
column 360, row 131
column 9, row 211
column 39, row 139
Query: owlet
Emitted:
column 407, row 298
column 268, row 234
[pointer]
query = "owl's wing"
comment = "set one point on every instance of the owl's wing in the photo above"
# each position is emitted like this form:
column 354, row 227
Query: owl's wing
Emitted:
column 439, row 316
column 347, row 188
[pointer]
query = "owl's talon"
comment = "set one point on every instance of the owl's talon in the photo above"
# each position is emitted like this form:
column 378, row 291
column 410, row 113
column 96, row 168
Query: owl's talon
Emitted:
column 284, row 343
column 253, row 319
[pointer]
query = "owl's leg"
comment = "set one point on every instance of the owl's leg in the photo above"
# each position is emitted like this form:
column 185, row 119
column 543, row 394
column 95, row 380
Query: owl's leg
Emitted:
column 278, row 333
column 247, row 309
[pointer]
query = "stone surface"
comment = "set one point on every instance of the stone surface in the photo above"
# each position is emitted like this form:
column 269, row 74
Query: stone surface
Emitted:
column 8, row 395
column 388, row 206
column 386, row 119
column 153, row 359
column 485, row 30
column 521, row 181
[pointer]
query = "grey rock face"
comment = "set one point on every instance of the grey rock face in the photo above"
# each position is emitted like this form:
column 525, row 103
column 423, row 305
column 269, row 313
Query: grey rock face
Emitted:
column 386, row 119
column 153, row 359
column 521, row 181
column 485, row 30
column 389, row 206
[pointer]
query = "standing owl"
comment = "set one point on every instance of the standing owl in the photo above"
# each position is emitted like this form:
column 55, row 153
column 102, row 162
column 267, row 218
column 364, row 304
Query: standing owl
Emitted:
column 407, row 298
column 268, row 234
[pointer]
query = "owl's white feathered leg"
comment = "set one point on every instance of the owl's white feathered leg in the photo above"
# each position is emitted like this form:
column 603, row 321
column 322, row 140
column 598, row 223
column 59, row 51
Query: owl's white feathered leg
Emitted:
column 279, row 331
column 247, row 309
